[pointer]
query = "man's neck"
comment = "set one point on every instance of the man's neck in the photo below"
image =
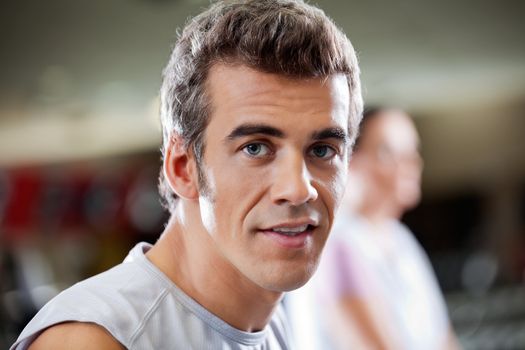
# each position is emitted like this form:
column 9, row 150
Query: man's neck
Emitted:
column 191, row 260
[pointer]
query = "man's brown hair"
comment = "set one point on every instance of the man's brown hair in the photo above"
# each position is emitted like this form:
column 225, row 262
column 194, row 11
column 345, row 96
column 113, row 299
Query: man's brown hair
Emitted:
column 285, row 37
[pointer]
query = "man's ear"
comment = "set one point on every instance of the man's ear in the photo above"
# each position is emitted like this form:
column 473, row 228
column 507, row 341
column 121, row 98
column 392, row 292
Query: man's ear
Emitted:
column 180, row 169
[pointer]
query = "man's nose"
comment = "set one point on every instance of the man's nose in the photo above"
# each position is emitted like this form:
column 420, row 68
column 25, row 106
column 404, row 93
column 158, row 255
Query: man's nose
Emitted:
column 292, row 182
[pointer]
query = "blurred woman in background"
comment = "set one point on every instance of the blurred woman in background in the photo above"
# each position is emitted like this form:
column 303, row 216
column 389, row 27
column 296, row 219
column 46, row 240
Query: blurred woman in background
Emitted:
column 375, row 286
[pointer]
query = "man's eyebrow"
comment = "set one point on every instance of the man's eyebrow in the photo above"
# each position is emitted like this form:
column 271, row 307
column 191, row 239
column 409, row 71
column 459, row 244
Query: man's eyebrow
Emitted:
column 251, row 129
column 331, row 133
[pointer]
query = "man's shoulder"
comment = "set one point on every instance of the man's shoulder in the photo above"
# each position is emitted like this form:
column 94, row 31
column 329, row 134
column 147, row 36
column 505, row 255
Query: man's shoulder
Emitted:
column 126, row 291
column 116, row 301
column 76, row 335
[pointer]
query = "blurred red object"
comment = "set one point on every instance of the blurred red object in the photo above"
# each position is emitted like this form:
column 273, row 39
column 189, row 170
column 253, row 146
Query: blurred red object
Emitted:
column 22, row 203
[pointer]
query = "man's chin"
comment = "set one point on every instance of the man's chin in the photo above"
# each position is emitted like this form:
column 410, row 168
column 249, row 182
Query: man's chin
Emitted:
column 289, row 282
column 285, row 287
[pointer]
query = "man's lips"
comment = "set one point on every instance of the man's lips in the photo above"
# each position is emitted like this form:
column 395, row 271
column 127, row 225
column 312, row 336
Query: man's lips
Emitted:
column 290, row 235
column 296, row 226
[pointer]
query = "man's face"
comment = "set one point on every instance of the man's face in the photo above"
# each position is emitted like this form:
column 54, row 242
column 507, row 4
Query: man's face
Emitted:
column 275, row 162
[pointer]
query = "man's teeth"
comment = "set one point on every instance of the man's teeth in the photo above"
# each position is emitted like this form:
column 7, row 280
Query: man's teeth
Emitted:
column 291, row 230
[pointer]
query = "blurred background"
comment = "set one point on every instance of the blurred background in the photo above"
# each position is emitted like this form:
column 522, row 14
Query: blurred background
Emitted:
column 79, row 141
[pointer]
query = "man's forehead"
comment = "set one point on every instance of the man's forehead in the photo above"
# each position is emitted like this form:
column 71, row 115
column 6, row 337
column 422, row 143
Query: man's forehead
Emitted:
column 242, row 88
column 260, row 82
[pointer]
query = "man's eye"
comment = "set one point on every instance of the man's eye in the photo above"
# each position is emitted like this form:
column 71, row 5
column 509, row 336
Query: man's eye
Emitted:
column 256, row 150
column 323, row 151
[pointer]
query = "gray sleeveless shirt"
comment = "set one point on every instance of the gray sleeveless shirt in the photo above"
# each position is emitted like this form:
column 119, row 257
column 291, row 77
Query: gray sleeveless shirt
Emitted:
column 143, row 309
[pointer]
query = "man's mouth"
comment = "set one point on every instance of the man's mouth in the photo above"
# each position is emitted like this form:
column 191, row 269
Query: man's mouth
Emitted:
column 291, row 235
column 292, row 231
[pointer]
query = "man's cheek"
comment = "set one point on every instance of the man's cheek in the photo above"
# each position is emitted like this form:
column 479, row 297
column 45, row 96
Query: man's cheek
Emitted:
column 337, row 187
